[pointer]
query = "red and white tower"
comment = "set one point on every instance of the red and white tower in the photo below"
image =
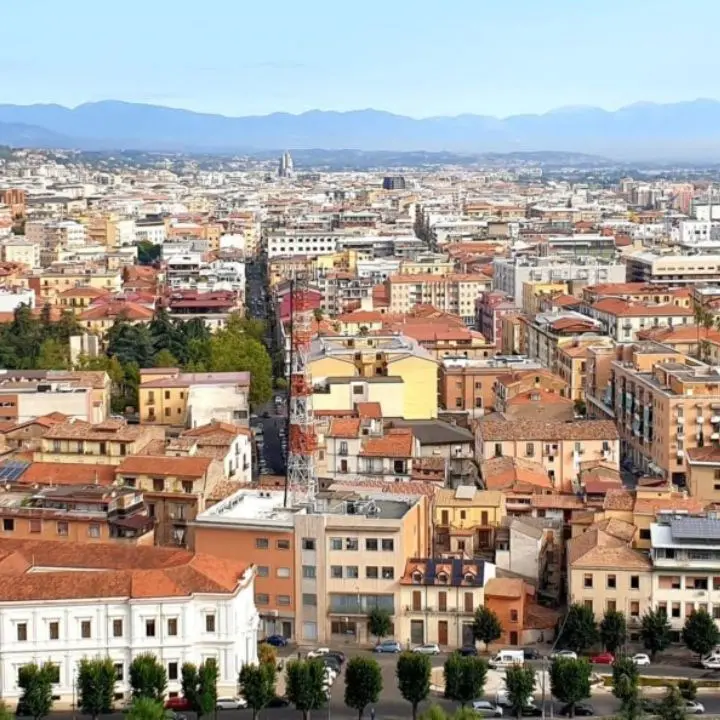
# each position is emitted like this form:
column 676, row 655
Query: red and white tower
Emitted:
column 302, row 440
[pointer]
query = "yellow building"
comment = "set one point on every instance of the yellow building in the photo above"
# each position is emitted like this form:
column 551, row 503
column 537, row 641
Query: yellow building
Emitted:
column 368, row 361
column 433, row 264
column 534, row 292
column 50, row 283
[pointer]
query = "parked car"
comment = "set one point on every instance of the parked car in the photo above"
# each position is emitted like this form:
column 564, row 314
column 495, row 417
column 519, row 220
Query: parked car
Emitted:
column 177, row 703
column 693, row 707
column 278, row 702
column 532, row 710
column 581, row 710
column 486, row 709
column 468, row 650
column 641, row 659
column 338, row 656
column 711, row 664
column 532, row 654
column 331, row 662
column 318, row 652
column 563, row 654
column 231, row 703
column 649, row 706
column 606, row 658
column 388, row 646
column 427, row 649
column 276, row 640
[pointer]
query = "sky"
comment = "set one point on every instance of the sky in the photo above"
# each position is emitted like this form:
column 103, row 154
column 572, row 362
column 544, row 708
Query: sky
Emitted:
column 414, row 57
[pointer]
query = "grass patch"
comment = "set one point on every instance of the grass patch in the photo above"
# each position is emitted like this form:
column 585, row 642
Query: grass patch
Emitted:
column 664, row 682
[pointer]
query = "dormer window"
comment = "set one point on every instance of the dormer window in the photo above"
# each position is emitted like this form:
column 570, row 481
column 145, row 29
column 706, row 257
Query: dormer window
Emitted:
column 417, row 577
column 470, row 578
column 442, row 578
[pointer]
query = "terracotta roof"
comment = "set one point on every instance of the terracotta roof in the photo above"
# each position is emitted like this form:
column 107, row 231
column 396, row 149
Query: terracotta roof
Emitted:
column 446, row 497
column 559, row 502
column 397, row 442
column 505, row 587
column 107, row 430
column 215, row 433
column 191, row 467
column 344, row 428
column 501, row 473
column 677, row 501
column 617, row 528
column 112, row 310
column 409, row 488
column 499, row 430
column 369, row 410
column 619, row 500
column 628, row 308
column 120, row 571
column 83, row 291
column 53, row 473
column 707, row 454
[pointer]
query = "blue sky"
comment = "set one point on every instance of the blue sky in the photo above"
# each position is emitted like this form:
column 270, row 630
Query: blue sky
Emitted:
column 415, row 57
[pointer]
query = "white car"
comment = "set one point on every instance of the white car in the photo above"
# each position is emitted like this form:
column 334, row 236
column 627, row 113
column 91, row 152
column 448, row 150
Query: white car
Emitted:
column 330, row 674
column 231, row 703
column 711, row 664
column 318, row 652
column 569, row 654
column 641, row 659
column 427, row 649
column 692, row 707
column 486, row 709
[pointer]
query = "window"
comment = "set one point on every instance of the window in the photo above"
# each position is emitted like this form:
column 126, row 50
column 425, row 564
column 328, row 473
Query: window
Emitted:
column 588, row 604
column 634, row 582
column 35, row 525
column 117, row 628
column 588, row 581
column 357, row 389
column 635, row 609
column 282, row 544
column 336, row 543
column 513, row 616
column 187, row 486
column 336, row 572
column 210, row 623
column 94, row 530
column 22, row 632
column 283, row 599
column 351, row 572
column 158, row 484
column 388, row 573
column 343, row 447
column 62, row 528
column 150, row 628
column 263, row 571
column 371, row 572
column 675, row 610
column 308, row 543
column 85, row 629
column 262, row 543
column 645, row 534
column 172, row 627
column 172, row 671
column 352, row 544
column 8, row 524
column 309, row 599
column 611, row 582
column 498, row 449
column 262, row 599
column 283, row 572
column 529, row 449
column 54, row 630
column 371, row 544
column 388, row 545
column 611, row 605
column 167, row 412
column 119, row 671
column 309, row 572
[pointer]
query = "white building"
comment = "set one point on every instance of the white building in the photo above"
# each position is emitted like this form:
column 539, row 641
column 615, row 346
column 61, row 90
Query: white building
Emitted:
column 284, row 242
column 11, row 298
column 66, row 603
column 153, row 231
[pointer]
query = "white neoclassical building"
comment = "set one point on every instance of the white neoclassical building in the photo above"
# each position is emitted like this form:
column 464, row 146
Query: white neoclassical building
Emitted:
column 60, row 602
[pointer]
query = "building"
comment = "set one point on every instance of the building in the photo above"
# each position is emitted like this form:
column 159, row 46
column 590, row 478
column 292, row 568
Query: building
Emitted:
column 61, row 603
column 393, row 182
column 703, row 473
column 677, row 269
column 490, row 309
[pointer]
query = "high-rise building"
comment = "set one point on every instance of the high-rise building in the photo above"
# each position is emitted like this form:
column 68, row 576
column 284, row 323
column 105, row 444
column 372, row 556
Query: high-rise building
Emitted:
column 286, row 166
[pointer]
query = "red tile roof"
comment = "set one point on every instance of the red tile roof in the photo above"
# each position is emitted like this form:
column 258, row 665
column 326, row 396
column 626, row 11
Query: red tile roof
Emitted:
column 55, row 473
column 191, row 467
column 397, row 442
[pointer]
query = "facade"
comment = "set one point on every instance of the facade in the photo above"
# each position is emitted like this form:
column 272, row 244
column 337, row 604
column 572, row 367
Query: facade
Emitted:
column 677, row 269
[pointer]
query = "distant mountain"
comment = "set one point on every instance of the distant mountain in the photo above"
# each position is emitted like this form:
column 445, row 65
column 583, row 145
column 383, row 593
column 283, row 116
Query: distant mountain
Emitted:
column 686, row 130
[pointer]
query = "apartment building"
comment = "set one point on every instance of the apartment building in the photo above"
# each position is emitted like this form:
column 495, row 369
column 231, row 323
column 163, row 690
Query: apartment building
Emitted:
column 535, row 293
column 170, row 397
column 49, row 283
column 559, row 447
column 279, row 242
column 703, row 473
column 648, row 267
column 453, row 293
column 16, row 249
column 522, row 382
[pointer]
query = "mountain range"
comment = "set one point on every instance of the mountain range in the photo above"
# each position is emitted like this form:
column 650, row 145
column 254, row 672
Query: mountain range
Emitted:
column 677, row 131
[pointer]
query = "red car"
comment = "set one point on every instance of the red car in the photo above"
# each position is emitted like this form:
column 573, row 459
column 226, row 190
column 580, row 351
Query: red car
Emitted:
column 177, row 703
column 605, row 658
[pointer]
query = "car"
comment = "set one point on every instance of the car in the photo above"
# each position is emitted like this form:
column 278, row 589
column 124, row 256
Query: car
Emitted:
column 427, row 649
column 387, row 646
column 711, row 664
column 693, row 707
column 330, row 674
column 641, row 659
column 338, row 656
column 531, row 654
column 563, row 654
column 581, row 710
column 532, row 710
column 317, row 653
column 649, row 706
column 486, row 709
column 331, row 662
column 278, row 702
column 230, row 703
column 468, row 650
column 275, row 640
column 606, row 658
column 177, row 703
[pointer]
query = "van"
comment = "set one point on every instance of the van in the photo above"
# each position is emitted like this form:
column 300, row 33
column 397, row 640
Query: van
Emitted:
column 507, row 658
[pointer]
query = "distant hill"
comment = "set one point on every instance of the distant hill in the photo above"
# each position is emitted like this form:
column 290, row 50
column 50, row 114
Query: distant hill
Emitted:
column 686, row 130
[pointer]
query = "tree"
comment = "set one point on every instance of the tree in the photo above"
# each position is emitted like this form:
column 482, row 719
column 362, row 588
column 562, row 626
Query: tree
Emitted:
column 304, row 681
column 655, row 631
column 36, row 681
column 700, row 633
column 267, row 654
column 413, row 674
column 580, row 408
column 199, row 686
column 486, row 626
column 53, row 355
column 625, row 676
column 379, row 622
column 464, row 678
column 579, row 631
column 613, row 630
column 145, row 708
column 520, row 684
column 672, row 706
column 148, row 678
column 95, row 685
column 688, row 688
column 164, row 359
column 148, row 252
column 363, row 684
column 570, row 681
column 257, row 685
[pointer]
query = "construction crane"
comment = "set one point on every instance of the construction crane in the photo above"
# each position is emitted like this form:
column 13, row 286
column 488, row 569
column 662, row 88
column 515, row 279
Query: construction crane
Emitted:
column 301, row 478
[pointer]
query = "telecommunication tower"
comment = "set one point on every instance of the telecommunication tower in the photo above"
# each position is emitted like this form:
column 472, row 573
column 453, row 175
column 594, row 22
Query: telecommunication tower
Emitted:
column 301, row 480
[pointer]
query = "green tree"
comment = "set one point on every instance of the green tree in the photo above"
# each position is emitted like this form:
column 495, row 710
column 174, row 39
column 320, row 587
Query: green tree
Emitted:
column 625, row 679
column 363, row 684
column 53, row 355
column 145, row 708
column 164, row 359
column 486, row 626
column 570, row 681
column 95, row 685
column 199, row 686
column 379, row 622
column 304, row 680
column 130, row 343
column 267, row 654
column 257, row 685
column 35, row 681
column 580, row 408
column 579, row 631
column 688, row 688
column 655, row 631
column 148, row 678
column 672, row 706
column 413, row 674
column 520, row 685
column 464, row 678
column 613, row 630
column 148, row 252
column 700, row 634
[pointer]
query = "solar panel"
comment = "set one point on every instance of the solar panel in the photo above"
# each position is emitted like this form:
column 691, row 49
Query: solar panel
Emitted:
column 11, row 470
